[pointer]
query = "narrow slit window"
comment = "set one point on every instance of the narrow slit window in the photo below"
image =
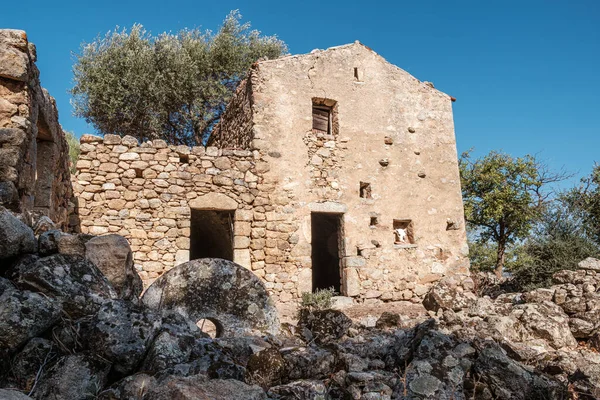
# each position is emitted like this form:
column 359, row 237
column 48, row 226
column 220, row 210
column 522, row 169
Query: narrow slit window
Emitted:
column 321, row 119
column 365, row 190
column 356, row 73
column 404, row 232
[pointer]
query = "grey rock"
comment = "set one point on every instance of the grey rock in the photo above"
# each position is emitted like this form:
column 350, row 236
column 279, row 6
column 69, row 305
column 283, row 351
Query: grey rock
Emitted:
column 73, row 245
column 324, row 326
column 74, row 377
column 10, row 394
column 590, row 263
column 9, row 196
column 75, row 281
column 121, row 333
column 16, row 237
column 133, row 387
column 300, row 390
column 35, row 357
column 266, row 368
column 112, row 255
column 23, row 315
column 48, row 242
column 199, row 387
column 173, row 345
column 546, row 321
column 446, row 296
column 220, row 290
column 43, row 224
column 309, row 363
column 507, row 379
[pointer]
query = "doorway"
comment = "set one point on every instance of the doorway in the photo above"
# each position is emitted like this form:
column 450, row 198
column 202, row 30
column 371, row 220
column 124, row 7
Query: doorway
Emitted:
column 326, row 229
column 211, row 234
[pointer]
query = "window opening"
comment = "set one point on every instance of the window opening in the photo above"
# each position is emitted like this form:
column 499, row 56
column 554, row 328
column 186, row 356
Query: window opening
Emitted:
column 404, row 232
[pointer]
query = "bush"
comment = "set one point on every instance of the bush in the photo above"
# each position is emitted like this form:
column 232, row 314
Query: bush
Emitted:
column 320, row 299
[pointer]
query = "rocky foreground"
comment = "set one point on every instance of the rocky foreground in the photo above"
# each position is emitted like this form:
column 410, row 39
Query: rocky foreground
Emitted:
column 72, row 326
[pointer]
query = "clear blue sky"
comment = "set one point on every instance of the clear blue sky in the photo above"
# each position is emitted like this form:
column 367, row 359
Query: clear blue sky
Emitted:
column 526, row 74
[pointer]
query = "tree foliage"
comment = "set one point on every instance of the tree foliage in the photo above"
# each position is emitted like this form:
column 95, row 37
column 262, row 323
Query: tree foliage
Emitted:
column 585, row 200
column 503, row 198
column 559, row 241
column 172, row 86
column 74, row 149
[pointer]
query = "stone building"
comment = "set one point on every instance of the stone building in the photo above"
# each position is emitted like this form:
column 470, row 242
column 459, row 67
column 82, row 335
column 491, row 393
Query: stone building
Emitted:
column 331, row 169
column 34, row 155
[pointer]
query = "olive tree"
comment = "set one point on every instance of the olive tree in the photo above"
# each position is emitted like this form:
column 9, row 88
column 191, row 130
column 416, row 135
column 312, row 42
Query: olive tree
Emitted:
column 504, row 197
column 171, row 86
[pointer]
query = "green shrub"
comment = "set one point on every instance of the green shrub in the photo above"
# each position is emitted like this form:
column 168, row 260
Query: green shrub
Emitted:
column 320, row 299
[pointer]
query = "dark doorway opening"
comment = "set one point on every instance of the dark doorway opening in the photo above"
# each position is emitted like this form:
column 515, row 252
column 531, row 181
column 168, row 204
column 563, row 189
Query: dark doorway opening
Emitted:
column 326, row 249
column 211, row 234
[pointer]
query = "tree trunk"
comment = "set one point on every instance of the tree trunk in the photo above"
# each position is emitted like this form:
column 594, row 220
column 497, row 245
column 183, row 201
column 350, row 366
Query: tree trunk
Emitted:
column 500, row 259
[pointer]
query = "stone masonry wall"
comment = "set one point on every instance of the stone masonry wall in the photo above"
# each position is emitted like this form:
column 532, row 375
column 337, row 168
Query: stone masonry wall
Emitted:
column 34, row 155
column 146, row 193
column 235, row 128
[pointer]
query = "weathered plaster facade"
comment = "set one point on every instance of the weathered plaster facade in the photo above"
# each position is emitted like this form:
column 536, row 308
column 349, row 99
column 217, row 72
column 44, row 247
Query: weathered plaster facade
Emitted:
column 385, row 160
column 34, row 155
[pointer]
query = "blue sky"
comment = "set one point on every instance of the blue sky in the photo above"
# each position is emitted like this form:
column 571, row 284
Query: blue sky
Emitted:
column 526, row 74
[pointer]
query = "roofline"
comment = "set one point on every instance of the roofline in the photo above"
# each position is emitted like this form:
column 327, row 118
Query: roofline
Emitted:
column 343, row 46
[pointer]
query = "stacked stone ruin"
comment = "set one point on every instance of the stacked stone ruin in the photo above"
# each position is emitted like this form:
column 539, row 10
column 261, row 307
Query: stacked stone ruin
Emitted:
column 297, row 152
column 34, row 161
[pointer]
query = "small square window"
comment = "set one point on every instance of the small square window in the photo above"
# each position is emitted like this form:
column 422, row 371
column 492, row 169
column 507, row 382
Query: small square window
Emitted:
column 184, row 158
column 374, row 222
column 404, row 232
column 365, row 190
column 321, row 119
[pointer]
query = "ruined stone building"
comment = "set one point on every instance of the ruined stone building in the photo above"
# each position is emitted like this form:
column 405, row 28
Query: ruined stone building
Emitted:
column 34, row 155
column 331, row 169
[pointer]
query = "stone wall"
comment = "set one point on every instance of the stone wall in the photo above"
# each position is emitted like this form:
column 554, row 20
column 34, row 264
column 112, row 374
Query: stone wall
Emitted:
column 34, row 155
column 146, row 193
column 235, row 128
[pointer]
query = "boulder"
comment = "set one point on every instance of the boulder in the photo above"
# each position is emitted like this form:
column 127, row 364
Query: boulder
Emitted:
column 29, row 362
column 228, row 294
column 43, row 224
column 590, row 264
column 266, row 368
column 17, row 238
column 173, row 345
column 447, row 295
column 48, row 242
column 74, row 377
column 73, row 280
column 199, row 387
column 73, row 245
column 506, row 379
column 121, row 333
column 546, row 321
column 309, row 363
column 133, row 387
column 23, row 315
column 112, row 255
column 10, row 394
column 300, row 390
column 323, row 326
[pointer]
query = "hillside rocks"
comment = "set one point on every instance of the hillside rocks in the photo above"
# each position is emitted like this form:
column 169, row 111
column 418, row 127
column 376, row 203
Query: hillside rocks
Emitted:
column 541, row 327
column 67, row 333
